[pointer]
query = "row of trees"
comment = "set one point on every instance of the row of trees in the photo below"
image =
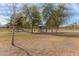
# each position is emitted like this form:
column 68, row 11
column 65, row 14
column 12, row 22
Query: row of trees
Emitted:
column 55, row 16
column 48, row 16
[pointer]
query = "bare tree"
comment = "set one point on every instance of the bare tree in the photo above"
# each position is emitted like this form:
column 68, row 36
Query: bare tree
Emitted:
column 12, row 9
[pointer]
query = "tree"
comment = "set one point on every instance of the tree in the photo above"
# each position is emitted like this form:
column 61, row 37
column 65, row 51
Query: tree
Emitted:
column 47, row 13
column 12, row 8
column 60, row 15
column 20, row 21
column 50, row 24
column 27, row 13
column 35, row 16
column 13, row 22
column 55, row 15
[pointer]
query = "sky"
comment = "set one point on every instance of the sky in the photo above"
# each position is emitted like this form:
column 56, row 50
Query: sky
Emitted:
column 74, row 8
column 4, row 12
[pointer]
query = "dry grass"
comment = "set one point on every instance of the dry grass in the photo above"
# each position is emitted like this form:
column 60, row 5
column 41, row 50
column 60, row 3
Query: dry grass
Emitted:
column 38, row 44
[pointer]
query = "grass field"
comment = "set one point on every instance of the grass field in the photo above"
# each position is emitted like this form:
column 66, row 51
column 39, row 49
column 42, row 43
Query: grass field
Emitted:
column 39, row 44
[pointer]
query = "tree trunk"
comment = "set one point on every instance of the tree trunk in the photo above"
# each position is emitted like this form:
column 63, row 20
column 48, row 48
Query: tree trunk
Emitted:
column 32, row 28
column 13, row 35
column 51, row 29
column 46, row 29
column 13, row 11
column 57, row 29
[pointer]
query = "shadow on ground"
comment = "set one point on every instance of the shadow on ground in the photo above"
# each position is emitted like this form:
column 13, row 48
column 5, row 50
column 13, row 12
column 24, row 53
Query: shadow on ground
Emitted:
column 23, row 50
column 65, row 34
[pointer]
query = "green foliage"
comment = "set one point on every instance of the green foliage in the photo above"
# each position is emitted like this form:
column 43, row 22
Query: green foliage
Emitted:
column 20, row 21
column 54, row 16
column 35, row 15
column 47, row 11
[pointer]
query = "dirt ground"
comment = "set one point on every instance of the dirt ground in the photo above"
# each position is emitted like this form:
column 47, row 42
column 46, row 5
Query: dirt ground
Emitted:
column 38, row 45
